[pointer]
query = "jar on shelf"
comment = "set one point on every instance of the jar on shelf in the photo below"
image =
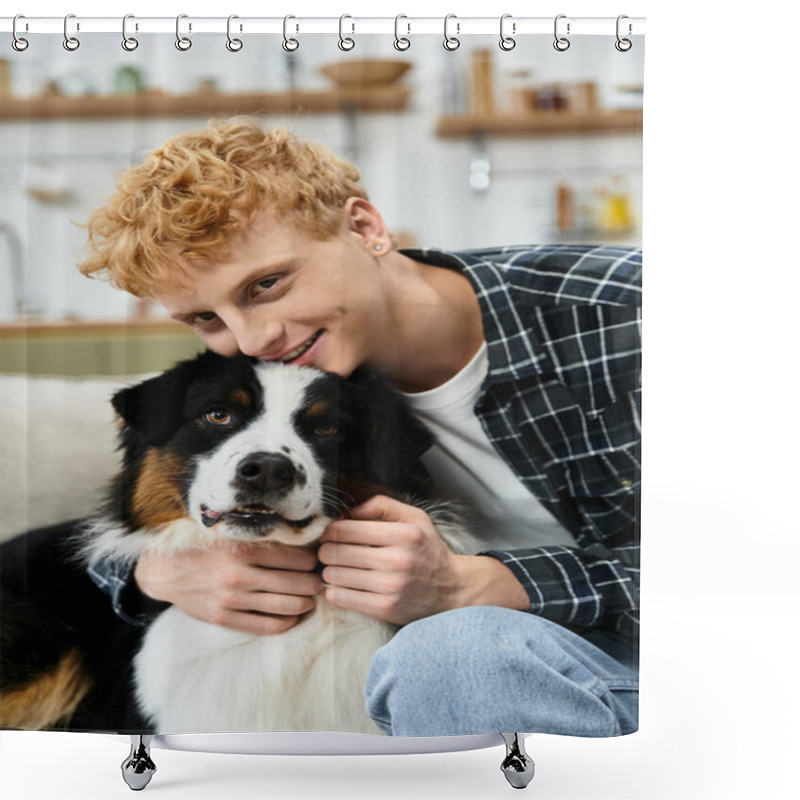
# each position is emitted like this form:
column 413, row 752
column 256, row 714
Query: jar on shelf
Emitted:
column 616, row 207
column 551, row 98
column 565, row 207
column 521, row 94
column 583, row 97
column 128, row 80
column 482, row 83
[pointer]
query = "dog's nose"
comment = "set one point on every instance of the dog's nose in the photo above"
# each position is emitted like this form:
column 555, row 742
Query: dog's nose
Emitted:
column 266, row 471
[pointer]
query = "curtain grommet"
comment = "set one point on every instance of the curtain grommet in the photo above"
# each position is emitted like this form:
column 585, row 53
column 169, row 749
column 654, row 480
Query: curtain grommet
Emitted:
column 19, row 43
column 233, row 44
column 623, row 45
column 561, row 43
column 451, row 43
column 129, row 43
column 507, row 42
column 183, row 43
column 289, row 44
column 401, row 43
column 346, row 43
column 71, row 43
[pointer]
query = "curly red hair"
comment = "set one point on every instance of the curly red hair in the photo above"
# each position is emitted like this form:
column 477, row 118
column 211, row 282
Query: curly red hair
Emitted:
column 179, row 203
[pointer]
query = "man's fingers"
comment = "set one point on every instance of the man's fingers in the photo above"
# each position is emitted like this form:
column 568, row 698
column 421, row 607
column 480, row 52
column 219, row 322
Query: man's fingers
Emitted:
column 381, row 507
column 281, row 582
column 389, row 559
column 364, row 580
column 276, row 556
column 364, row 532
column 285, row 605
column 260, row 613
column 373, row 605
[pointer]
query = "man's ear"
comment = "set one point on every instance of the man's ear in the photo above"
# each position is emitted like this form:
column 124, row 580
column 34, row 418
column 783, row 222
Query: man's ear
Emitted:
column 364, row 220
column 154, row 408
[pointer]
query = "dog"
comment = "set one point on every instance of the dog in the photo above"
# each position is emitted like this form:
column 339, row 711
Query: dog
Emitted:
column 65, row 657
column 237, row 449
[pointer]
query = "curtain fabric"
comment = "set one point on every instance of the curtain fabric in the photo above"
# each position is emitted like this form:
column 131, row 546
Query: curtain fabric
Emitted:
column 510, row 181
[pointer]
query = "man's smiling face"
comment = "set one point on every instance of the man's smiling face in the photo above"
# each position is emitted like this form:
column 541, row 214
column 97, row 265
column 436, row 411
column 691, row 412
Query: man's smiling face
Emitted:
column 279, row 294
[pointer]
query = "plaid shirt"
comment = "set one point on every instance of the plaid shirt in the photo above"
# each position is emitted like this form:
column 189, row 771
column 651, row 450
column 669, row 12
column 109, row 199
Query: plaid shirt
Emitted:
column 561, row 404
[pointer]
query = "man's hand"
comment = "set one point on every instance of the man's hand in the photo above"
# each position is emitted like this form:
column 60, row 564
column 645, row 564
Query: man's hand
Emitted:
column 260, row 588
column 388, row 561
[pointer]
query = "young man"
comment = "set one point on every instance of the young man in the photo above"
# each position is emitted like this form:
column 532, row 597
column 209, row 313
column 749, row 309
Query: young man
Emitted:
column 522, row 361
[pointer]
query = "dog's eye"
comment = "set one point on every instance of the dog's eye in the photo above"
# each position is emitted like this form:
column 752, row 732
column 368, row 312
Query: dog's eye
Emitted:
column 326, row 430
column 218, row 416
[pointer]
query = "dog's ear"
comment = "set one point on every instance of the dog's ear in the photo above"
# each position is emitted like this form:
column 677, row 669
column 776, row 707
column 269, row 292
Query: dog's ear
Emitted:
column 154, row 408
column 394, row 439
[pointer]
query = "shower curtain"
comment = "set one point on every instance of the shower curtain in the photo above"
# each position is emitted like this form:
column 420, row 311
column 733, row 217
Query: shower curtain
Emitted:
column 517, row 167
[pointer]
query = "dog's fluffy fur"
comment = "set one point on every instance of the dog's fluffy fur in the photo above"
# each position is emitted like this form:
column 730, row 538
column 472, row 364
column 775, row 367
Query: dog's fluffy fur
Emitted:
column 238, row 449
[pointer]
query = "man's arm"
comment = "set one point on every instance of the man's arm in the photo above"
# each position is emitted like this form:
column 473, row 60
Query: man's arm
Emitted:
column 263, row 588
column 115, row 578
column 581, row 588
column 389, row 563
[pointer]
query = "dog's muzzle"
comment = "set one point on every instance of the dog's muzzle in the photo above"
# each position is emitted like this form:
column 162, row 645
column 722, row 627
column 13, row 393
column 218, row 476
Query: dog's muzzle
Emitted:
column 261, row 479
column 266, row 472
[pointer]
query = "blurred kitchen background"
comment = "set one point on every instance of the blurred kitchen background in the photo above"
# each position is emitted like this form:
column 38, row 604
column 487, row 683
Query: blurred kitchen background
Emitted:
column 463, row 149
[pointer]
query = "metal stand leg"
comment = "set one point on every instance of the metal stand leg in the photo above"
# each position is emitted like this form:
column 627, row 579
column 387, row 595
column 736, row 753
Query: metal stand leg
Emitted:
column 518, row 766
column 138, row 768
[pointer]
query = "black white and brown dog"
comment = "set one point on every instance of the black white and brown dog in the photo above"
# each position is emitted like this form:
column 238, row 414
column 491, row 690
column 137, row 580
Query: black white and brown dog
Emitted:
column 234, row 448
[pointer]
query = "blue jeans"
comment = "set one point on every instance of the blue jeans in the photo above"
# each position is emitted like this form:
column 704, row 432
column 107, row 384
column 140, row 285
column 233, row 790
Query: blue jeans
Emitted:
column 485, row 669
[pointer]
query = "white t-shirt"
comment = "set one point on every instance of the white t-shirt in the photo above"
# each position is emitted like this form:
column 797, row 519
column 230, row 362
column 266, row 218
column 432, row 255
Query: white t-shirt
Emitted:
column 465, row 465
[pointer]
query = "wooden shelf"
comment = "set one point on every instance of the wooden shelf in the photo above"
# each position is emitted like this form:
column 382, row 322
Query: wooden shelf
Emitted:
column 202, row 104
column 544, row 123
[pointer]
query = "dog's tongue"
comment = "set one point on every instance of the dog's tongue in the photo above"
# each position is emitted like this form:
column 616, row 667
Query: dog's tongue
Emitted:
column 209, row 517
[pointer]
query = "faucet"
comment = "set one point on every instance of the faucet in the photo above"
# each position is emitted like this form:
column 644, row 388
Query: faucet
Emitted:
column 9, row 232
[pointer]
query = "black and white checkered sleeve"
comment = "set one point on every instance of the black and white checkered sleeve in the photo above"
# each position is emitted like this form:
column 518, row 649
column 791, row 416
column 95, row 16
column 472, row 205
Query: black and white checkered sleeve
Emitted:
column 581, row 588
column 115, row 578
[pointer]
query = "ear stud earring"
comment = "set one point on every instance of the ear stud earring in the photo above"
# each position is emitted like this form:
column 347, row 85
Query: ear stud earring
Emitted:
column 378, row 247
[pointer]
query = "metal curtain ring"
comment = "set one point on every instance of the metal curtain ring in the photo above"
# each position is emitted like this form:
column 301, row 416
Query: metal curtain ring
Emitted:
column 561, row 43
column 507, row 42
column 345, row 42
column 290, row 45
column 234, row 45
column 182, row 42
column 401, row 42
column 19, row 44
column 623, row 45
column 70, row 42
column 451, row 42
column 128, row 42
